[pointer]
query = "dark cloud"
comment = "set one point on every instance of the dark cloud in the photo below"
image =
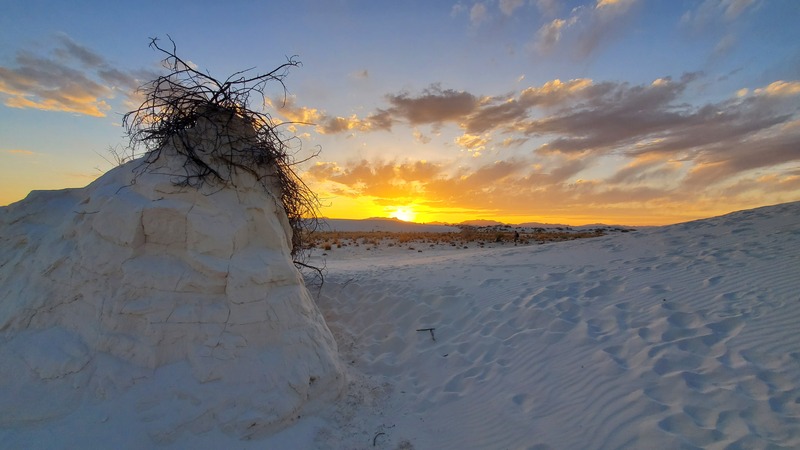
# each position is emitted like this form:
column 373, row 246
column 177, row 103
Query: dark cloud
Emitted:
column 72, row 50
column 381, row 120
column 124, row 80
column 493, row 116
column 434, row 106
column 725, row 161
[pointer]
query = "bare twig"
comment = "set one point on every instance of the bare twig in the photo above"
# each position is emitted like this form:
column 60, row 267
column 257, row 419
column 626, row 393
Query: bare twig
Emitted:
column 431, row 330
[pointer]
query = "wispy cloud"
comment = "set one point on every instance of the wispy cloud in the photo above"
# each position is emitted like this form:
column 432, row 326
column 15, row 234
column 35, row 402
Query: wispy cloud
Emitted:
column 711, row 11
column 72, row 78
column 580, row 32
column 508, row 7
column 590, row 27
column 603, row 23
column 20, row 152
column 711, row 15
column 478, row 13
column 548, row 8
column 550, row 34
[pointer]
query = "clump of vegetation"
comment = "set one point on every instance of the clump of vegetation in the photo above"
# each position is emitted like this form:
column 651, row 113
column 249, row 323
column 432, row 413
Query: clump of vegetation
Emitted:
column 218, row 134
column 467, row 235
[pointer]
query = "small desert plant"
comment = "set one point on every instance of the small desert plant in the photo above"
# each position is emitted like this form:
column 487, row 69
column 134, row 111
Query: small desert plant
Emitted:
column 241, row 139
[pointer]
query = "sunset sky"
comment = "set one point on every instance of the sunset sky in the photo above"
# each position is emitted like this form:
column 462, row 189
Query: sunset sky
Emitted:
column 618, row 111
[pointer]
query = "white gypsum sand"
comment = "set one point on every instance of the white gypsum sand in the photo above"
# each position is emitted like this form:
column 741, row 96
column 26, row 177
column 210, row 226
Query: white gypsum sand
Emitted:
column 672, row 337
column 675, row 337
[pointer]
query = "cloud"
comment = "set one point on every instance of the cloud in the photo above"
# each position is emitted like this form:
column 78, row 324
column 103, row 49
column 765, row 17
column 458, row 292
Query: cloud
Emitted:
column 294, row 113
column 509, row 6
column 20, row 152
column 421, row 138
column 591, row 27
column 780, row 89
column 620, row 4
column 671, row 149
column 434, row 106
column 651, row 123
column 718, row 18
column 73, row 50
column 475, row 114
column 325, row 123
column 604, row 22
column 547, row 7
column 478, row 13
column 724, row 46
column 721, row 163
column 734, row 8
column 513, row 186
column 457, row 9
column 472, row 143
column 54, row 83
column 362, row 74
column 384, row 180
column 333, row 125
column 554, row 92
column 644, row 169
column 549, row 34
column 715, row 12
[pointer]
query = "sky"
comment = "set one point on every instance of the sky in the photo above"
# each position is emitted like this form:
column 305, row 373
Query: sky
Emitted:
column 616, row 111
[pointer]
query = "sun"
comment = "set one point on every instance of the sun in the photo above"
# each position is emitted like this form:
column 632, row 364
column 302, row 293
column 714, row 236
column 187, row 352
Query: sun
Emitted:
column 404, row 213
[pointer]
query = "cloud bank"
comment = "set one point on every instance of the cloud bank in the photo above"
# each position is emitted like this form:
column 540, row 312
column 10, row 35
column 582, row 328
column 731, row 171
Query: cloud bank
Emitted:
column 664, row 149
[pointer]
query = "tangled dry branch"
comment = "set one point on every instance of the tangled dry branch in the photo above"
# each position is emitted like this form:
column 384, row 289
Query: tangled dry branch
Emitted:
column 242, row 138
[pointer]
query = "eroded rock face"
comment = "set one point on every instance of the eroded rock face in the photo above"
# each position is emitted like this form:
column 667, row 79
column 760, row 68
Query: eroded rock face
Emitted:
column 179, row 306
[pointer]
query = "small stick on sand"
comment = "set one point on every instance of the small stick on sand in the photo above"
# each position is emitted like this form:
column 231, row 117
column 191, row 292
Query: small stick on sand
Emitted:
column 431, row 330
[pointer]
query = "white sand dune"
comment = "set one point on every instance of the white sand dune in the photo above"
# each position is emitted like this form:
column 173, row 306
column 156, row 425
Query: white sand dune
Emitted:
column 676, row 337
column 683, row 336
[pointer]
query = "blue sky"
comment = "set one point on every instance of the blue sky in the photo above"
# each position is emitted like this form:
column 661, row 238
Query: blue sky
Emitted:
column 627, row 111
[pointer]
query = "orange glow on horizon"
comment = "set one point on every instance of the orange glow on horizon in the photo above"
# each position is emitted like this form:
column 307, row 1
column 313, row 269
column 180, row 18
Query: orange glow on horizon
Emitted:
column 367, row 208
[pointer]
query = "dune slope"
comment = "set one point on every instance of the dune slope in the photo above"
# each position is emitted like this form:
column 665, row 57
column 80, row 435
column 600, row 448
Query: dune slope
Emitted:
column 675, row 337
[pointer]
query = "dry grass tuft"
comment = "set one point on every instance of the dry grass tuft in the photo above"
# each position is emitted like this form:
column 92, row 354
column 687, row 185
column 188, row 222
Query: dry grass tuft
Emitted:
column 463, row 239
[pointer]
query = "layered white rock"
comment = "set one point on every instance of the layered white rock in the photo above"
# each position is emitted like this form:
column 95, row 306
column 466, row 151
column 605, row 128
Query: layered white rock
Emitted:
column 184, row 301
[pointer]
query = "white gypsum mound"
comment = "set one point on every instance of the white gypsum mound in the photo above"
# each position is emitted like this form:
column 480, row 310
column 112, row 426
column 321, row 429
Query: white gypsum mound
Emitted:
column 175, row 309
